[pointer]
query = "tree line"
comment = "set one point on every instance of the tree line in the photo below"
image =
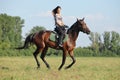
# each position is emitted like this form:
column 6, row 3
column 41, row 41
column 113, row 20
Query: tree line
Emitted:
column 107, row 44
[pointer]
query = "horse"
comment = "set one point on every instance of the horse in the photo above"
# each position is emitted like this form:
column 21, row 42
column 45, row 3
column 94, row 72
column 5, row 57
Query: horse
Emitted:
column 42, row 41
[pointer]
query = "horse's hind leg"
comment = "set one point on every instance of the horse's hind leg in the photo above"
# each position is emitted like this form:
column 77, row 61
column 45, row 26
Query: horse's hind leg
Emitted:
column 63, row 60
column 72, row 56
column 43, row 57
column 35, row 56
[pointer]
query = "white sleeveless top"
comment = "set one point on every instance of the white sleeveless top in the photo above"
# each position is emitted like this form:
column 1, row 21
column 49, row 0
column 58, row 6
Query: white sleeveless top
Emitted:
column 58, row 19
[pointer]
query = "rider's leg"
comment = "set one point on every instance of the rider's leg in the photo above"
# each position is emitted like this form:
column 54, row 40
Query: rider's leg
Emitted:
column 61, row 32
column 60, row 41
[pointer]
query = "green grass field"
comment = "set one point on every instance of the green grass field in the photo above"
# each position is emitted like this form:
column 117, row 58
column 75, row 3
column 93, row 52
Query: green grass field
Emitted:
column 85, row 68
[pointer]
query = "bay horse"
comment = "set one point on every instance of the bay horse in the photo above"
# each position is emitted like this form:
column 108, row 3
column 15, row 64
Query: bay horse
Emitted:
column 42, row 41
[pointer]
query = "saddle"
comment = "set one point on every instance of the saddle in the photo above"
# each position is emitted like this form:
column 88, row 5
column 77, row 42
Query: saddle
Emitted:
column 54, row 37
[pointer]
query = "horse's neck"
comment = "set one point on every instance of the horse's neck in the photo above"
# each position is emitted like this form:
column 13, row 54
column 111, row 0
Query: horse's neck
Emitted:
column 73, row 36
column 73, row 32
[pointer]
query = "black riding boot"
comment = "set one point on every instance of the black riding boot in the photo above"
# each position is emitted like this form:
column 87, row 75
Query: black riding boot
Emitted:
column 60, row 41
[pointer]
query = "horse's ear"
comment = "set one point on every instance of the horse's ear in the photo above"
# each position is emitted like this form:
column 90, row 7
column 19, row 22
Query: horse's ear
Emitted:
column 83, row 19
column 77, row 19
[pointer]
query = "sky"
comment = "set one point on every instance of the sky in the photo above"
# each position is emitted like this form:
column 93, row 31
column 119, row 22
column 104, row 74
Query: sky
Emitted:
column 100, row 15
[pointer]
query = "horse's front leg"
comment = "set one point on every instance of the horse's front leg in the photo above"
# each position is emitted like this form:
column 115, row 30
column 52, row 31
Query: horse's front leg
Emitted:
column 63, row 60
column 72, row 56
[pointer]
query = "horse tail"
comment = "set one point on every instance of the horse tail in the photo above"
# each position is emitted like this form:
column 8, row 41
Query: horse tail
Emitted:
column 28, row 41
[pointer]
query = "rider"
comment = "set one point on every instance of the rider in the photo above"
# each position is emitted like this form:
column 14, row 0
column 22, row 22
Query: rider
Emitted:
column 60, row 27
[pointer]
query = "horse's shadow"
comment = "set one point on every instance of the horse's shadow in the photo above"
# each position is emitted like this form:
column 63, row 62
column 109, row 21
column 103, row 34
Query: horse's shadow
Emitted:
column 4, row 67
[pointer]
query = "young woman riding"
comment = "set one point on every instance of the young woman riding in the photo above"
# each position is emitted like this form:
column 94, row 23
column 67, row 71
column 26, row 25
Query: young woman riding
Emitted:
column 60, row 27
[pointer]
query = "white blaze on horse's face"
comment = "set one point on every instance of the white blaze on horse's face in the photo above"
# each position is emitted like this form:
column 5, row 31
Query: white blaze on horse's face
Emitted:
column 83, row 27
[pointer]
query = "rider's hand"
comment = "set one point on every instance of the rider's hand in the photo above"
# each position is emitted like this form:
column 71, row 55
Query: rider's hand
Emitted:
column 66, row 26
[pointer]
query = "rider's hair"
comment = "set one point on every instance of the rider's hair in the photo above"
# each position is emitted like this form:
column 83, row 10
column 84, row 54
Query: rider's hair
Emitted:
column 54, row 11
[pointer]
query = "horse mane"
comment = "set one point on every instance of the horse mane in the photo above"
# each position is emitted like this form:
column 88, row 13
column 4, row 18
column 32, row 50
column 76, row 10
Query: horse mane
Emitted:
column 73, row 29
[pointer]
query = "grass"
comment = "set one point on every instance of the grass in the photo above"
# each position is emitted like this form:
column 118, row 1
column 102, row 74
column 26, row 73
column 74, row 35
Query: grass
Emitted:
column 86, row 68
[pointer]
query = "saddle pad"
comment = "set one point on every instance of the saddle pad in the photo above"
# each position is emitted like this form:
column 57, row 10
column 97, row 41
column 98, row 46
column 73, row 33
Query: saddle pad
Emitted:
column 52, row 37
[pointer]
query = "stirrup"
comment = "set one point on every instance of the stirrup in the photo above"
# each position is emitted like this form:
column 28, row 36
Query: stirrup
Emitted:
column 60, row 45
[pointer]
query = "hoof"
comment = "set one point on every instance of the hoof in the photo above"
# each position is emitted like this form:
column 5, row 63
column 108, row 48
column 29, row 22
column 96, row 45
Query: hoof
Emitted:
column 38, row 67
column 67, row 67
column 48, row 67
column 59, row 69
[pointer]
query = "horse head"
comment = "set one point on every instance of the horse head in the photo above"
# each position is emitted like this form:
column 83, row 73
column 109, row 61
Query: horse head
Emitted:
column 82, row 26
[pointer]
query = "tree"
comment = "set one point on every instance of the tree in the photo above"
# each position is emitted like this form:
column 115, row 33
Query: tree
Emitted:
column 95, row 38
column 112, row 41
column 115, row 42
column 36, row 29
column 10, row 29
column 107, row 40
